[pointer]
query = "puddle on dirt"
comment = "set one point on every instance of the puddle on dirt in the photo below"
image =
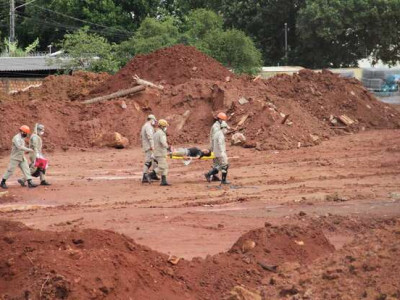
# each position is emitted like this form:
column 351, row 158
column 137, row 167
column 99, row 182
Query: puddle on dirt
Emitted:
column 22, row 207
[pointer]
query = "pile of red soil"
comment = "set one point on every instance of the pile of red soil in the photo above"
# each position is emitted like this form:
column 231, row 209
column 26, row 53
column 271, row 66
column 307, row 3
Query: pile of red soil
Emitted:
column 174, row 65
column 366, row 268
column 196, row 86
column 93, row 264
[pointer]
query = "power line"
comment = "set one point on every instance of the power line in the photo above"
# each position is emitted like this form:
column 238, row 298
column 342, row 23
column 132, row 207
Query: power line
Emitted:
column 80, row 20
column 52, row 24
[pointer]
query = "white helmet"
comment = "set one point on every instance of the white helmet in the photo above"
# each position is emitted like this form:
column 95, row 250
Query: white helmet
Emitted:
column 151, row 117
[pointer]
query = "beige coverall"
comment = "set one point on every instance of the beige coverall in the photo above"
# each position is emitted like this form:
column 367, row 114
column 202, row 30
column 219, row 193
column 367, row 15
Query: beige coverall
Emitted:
column 214, row 129
column 160, row 152
column 146, row 136
column 36, row 144
column 221, row 159
column 18, row 158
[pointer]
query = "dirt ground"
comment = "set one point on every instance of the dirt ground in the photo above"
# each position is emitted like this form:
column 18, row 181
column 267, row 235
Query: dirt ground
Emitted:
column 342, row 186
column 102, row 189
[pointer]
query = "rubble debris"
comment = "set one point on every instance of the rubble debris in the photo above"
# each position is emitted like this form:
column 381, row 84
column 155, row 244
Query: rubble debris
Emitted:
column 248, row 245
column 140, row 81
column 241, row 293
column 114, row 140
column 335, row 197
column 271, row 268
column 285, row 119
column 238, row 139
column 117, row 94
column 74, row 125
column 346, row 120
column 242, row 120
column 243, row 100
column 173, row 259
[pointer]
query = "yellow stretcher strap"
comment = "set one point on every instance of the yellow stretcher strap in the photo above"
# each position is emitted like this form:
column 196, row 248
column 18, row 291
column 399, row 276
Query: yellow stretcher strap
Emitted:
column 212, row 156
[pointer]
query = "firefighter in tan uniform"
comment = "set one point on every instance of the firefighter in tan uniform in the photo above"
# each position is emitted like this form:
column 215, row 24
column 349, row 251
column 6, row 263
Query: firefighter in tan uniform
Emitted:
column 147, row 138
column 18, row 158
column 36, row 144
column 221, row 159
column 221, row 117
column 161, row 149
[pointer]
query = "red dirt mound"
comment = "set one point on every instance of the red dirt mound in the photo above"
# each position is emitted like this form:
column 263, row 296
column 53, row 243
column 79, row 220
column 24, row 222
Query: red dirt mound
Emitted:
column 93, row 264
column 256, row 108
column 366, row 268
column 64, row 87
column 174, row 65
column 282, row 244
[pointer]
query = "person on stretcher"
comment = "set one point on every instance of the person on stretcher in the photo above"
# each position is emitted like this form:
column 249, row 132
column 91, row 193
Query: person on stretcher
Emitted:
column 193, row 152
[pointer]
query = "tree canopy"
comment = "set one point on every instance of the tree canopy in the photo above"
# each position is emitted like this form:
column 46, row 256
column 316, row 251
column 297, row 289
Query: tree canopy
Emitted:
column 321, row 33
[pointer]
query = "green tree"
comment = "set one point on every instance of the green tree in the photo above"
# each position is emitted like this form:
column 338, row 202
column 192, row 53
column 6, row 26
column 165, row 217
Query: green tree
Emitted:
column 264, row 21
column 89, row 51
column 234, row 49
column 200, row 23
column 50, row 20
column 202, row 29
column 155, row 34
column 14, row 50
column 340, row 32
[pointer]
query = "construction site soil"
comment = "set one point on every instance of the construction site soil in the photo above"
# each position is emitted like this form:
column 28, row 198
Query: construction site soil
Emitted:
column 195, row 87
column 297, row 222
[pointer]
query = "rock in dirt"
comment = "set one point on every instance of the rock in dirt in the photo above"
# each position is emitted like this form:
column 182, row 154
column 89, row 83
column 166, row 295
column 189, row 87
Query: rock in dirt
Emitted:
column 173, row 259
column 241, row 293
column 114, row 140
column 243, row 100
column 248, row 245
column 238, row 139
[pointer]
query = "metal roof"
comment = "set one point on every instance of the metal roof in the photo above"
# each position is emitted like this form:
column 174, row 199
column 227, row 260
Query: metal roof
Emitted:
column 33, row 63
column 282, row 69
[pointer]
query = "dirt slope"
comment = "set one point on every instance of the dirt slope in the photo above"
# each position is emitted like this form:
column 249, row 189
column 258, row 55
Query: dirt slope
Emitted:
column 96, row 264
column 196, row 86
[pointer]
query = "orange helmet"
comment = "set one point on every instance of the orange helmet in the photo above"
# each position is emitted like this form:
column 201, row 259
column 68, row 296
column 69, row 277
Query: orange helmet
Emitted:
column 222, row 116
column 25, row 129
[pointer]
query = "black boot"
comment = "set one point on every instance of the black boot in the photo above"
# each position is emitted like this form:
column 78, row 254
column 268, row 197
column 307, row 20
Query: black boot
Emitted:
column 31, row 184
column 146, row 178
column 21, row 182
column 211, row 174
column 224, row 181
column 3, row 184
column 153, row 176
column 215, row 178
column 44, row 182
column 164, row 181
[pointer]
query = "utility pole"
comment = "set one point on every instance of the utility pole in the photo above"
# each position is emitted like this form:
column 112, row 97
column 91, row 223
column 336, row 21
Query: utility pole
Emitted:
column 12, row 18
column 286, row 44
column 12, row 21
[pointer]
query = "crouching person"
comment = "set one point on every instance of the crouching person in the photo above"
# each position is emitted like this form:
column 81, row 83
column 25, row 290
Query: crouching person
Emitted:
column 36, row 144
column 18, row 158
column 161, row 151
column 221, row 159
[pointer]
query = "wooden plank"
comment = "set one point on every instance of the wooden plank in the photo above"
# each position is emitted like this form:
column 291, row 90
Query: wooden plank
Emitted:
column 120, row 93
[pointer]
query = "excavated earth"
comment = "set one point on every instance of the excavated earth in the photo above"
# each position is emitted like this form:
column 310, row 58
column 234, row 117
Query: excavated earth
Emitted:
column 297, row 222
column 195, row 87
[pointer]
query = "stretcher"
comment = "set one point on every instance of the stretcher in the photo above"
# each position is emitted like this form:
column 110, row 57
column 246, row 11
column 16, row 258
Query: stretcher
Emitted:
column 187, row 159
column 211, row 156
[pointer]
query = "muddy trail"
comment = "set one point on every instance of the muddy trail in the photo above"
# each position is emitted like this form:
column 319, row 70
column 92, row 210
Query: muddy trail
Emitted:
column 283, row 112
